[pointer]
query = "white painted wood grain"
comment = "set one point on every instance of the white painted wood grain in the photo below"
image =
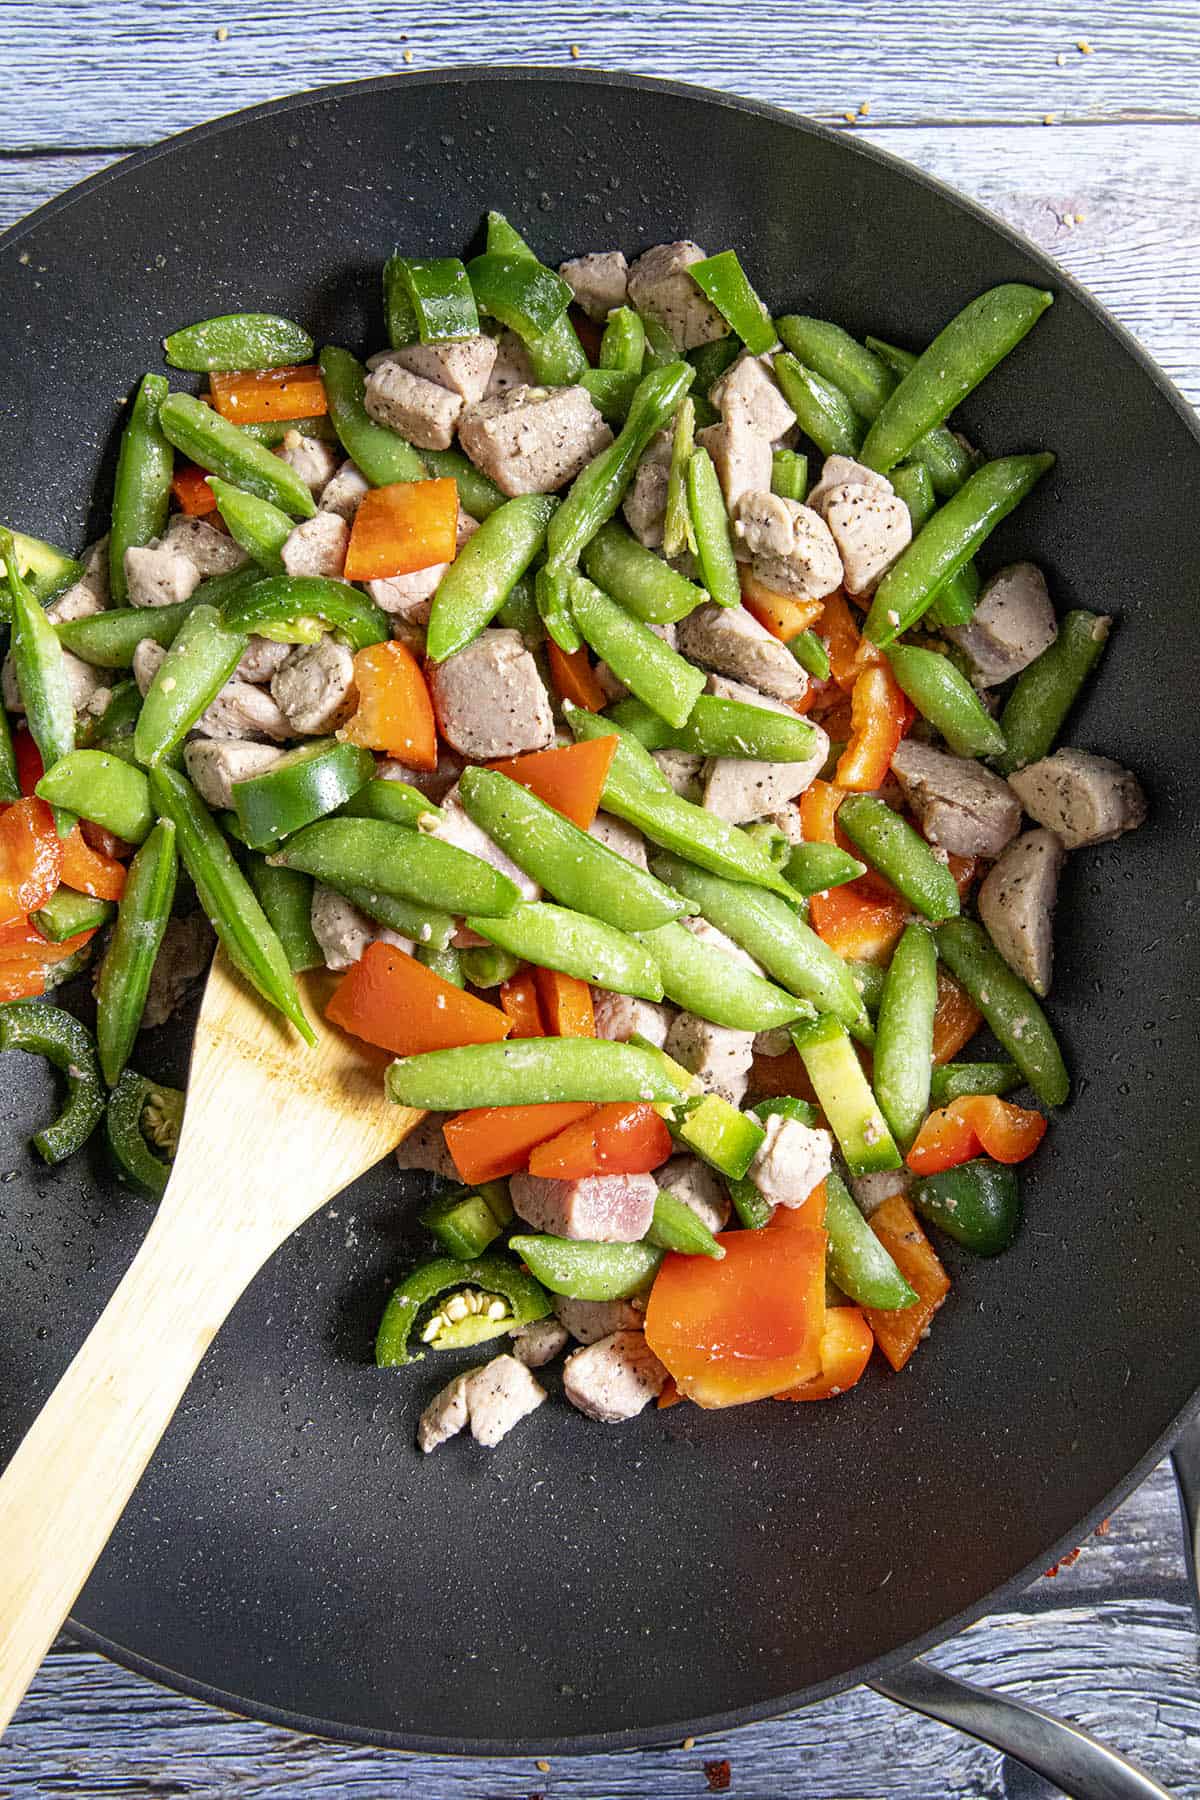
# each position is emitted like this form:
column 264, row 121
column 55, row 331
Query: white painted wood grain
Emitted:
column 1136, row 187
column 120, row 72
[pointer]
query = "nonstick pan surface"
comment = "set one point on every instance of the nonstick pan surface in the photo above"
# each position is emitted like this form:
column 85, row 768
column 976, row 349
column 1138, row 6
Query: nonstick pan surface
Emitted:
column 289, row 1554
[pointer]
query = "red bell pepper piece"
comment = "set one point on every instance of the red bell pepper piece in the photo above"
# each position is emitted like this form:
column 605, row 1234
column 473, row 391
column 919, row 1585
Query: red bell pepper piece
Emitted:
column 190, row 488
column 89, row 871
column 31, row 858
column 620, row 1139
column 849, row 652
column 570, row 779
column 491, row 1141
column 395, row 712
column 880, row 714
column 519, row 1004
column 30, row 767
column 392, row 1000
column 565, row 1003
column 860, row 927
column 978, row 1125
column 574, row 677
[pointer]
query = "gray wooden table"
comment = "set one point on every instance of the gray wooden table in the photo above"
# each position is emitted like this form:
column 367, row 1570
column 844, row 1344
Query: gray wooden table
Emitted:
column 1081, row 126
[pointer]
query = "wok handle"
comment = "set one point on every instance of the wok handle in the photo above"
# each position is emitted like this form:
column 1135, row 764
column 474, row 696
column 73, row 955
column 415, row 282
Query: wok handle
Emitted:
column 1061, row 1753
column 1185, row 1460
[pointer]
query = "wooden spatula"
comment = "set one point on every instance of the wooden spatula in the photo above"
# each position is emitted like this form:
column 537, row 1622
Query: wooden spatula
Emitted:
column 271, row 1132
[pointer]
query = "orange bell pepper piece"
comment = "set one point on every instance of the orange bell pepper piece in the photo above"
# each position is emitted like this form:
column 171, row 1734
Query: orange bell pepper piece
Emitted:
column 192, row 492
column 846, row 1345
column 880, row 714
column 818, row 812
column 88, row 871
column 565, row 1004
column 808, row 1216
column 21, row 981
column 395, row 713
column 896, row 1226
column 670, row 1395
column 575, row 678
column 571, row 780
column 489, row 1142
column 31, row 858
column 519, row 1004
column 955, row 1020
column 979, row 1124
column 782, row 616
column 392, row 1000
column 256, row 396
column 403, row 527
column 849, row 652
column 619, row 1139
column 860, row 927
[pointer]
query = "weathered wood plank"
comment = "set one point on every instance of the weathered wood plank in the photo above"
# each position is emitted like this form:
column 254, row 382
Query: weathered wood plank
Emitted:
column 986, row 63
column 1137, row 189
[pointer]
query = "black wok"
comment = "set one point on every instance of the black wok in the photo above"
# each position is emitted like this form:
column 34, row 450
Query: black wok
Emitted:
column 288, row 1553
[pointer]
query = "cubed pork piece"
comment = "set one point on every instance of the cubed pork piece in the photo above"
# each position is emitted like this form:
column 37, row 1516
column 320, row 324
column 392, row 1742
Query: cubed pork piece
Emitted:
column 621, row 1016
column 660, row 287
column 645, row 503
column 88, row 595
column 498, row 1397
column 242, row 710
column 719, row 1057
column 607, row 1209
column 1084, row 799
column 458, row 828
column 537, row 1344
column 775, row 1042
column 183, row 957
column 343, row 932
column 422, row 411
column 681, row 769
column 214, row 764
column 870, row 1191
column 213, row 552
column 445, row 1416
column 599, row 282
column 313, row 460
column 83, row 679
column 590, row 1320
column 464, row 365
column 317, row 546
column 791, row 1160
column 842, row 471
column 147, row 661
column 343, row 494
column 157, row 575
column 614, row 1379
column 741, row 789
column 748, row 388
column 1016, row 903
column 699, row 1188
column 870, row 528
column 533, row 440
column 512, row 367
column 410, row 596
column 260, row 659
column 742, row 458
column 490, row 700
column 1012, row 624
column 962, row 806
column 791, row 547
column 715, row 938
column 731, row 641
column 625, row 839
column 425, row 1149
column 314, row 690
column 434, row 783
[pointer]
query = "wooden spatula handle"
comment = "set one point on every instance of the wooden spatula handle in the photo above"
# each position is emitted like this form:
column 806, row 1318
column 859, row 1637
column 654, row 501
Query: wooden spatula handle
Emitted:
column 65, row 1489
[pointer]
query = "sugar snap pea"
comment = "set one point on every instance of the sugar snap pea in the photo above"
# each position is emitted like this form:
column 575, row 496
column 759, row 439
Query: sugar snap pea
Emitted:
column 484, row 572
column 555, row 937
column 1008, row 1006
column 486, row 966
column 576, row 868
column 286, row 895
column 624, row 342
column 41, row 674
column 678, row 533
column 225, row 450
column 946, row 698
column 202, row 657
column 259, row 527
column 836, row 357
column 658, row 675
column 719, row 727
column 955, row 1081
column 789, row 474
column 904, row 1034
column 711, row 530
column 551, row 595
column 226, row 896
column 115, row 722
column 889, row 844
column 142, row 485
column 108, row 639
column 599, row 489
column 588, row 1271
column 396, row 859
column 822, row 411
column 423, row 924
column 964, row 351
column 477, row 495
column 238, row 341
column 950, row 540
column 912, row 483
column 395, row 802
column 676, row 1227
column 530, row 1070
column 124, row 978
column 520, row 613
column 857, row 1260
column 643, row 583
column 1045, row 692
column 42, row 1029
column 706, row 980
column 381, row 454
column 812, row 868
column 103, row 788
column 447, row 963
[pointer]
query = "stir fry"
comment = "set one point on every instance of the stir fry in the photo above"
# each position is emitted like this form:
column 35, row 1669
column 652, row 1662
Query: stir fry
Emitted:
column 601, row 681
